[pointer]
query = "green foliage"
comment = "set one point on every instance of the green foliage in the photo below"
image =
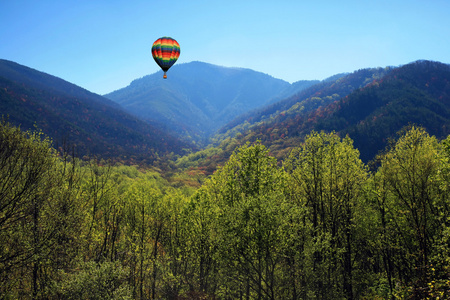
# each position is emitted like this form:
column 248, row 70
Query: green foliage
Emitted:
column 26, row 215
column 251, row 208
column 95, row 281
column 326, row 178
column 413, row 209
column 318, row 225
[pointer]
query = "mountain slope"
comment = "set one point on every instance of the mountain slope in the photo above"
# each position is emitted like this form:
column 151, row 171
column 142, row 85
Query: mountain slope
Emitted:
column 303, row 102
column 64, row 111
column 198, row 98
column 417, row 93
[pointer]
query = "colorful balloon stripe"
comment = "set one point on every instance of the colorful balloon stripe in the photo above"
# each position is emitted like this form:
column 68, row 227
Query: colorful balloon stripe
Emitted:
column 165, row 52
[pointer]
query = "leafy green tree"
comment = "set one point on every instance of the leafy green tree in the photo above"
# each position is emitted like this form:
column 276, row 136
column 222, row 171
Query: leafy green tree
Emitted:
column 40, row 216
column 412, row 208
column 139, row 225
column 382, row 238
column 154, row 236
column 26, row 174
column 174, row 255
column 201, row 226
column 246, row 198
column 106, row 280
column 327, row 178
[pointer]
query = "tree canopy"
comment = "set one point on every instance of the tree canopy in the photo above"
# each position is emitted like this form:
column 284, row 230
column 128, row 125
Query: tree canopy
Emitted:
column 320, row 224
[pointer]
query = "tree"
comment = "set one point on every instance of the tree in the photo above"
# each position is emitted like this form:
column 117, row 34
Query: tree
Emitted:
column 39, row 212
column 327, row 178
column 26, row 166
column 413, row 208
column 140, row 199
column 246, row 198
column 106, row 280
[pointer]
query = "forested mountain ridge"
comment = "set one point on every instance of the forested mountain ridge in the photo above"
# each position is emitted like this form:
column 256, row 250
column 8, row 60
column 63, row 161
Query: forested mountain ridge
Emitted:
column 69, row 114
column 417, row 93
column 198, row 98
column 309, row 99
column 370, row 105
column 42, row 81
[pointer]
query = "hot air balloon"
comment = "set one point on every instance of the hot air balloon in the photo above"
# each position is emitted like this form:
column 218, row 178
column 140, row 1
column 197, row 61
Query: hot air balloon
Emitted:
column 165, row 52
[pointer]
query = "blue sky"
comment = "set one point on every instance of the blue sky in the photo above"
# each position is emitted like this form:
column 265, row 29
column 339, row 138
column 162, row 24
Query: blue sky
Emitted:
column 102, row 45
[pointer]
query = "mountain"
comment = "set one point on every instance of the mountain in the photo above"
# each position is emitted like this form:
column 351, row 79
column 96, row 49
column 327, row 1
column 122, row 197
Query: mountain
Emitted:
column 369, row 105
column 414, row 94
column 66, row 112
column 198, row 98
column 303, row 102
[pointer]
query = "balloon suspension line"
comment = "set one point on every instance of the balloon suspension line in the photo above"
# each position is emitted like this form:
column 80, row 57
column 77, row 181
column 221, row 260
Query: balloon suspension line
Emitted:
column 165, row 76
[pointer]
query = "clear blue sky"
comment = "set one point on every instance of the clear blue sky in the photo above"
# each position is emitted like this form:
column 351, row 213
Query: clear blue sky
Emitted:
column 102, row 45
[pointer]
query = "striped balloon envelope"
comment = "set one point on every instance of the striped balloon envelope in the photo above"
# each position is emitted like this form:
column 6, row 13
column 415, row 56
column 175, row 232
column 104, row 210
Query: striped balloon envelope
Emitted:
column 165, row 52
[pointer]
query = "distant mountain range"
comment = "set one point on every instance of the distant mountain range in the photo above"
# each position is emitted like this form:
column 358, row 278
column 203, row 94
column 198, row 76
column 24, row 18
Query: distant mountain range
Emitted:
column 200, row 103
column 198, row 98
column 72, row 115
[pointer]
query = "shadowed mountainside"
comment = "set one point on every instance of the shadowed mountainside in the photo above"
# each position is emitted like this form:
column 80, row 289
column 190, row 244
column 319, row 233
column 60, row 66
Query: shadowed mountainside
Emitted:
column 70, row 114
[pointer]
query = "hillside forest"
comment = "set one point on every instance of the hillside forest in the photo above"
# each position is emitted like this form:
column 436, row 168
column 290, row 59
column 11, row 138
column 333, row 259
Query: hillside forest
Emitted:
column 319, row 223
